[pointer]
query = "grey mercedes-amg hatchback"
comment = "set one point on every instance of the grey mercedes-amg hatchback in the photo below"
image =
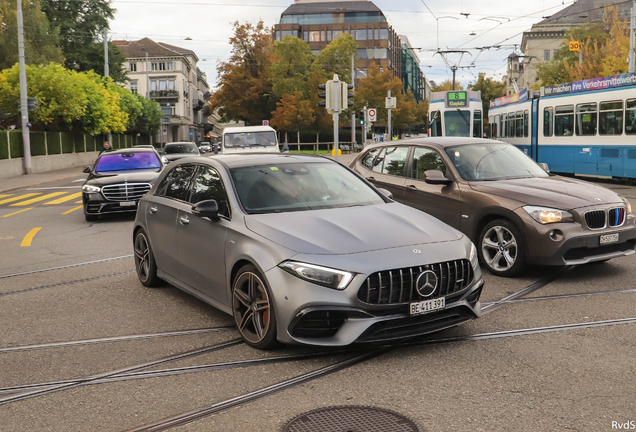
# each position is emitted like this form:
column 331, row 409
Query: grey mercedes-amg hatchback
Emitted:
column 302, row 250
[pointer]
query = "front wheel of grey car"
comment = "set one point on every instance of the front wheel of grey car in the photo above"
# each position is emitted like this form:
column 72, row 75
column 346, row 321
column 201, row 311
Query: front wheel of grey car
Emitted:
column 145, row 261
column 253, row 308
column 501, row 249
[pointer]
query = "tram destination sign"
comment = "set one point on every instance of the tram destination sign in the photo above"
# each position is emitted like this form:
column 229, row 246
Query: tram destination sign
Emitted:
column 615, row 81
column 456, row 99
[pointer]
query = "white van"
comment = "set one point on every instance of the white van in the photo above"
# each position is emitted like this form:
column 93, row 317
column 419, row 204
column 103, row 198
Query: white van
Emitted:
column 249, row 139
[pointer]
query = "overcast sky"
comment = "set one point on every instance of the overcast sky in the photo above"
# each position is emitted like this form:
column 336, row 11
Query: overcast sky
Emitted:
column 209, row 24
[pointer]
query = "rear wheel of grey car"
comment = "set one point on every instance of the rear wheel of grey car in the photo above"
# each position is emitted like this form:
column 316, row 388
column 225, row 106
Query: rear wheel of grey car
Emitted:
column 501, row 248
column 253, row 308
column 145, row 261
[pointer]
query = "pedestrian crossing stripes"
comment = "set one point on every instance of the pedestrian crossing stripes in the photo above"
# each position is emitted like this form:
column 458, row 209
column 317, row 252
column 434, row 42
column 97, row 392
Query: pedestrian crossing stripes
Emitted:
column 64, row 199
column 36, row 198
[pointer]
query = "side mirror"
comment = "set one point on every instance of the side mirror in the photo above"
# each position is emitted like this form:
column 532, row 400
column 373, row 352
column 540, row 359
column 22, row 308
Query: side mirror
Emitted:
column 386, row 193
column 207, row 208
column 435, row 177
column 545, row 167
column 86, row 170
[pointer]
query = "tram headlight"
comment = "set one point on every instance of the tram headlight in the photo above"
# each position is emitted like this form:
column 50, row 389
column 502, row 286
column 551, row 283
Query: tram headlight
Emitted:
column 546, row 215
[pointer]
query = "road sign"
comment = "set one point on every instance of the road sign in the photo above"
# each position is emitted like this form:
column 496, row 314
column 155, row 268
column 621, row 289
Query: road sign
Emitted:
column 165, row 130
column 372, row 114
column 390, row 103
column 191, row 134
column 575, row 45
column 378, row 137
column 265, row 122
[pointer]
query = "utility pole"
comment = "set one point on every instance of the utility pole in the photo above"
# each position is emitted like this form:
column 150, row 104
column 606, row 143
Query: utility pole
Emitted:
column 454, row 69
column 390, row 132
column 26, row 138
column 353, row 112
column 364, row 128
column 107, row 72
column 632, row 29
column 336, row 113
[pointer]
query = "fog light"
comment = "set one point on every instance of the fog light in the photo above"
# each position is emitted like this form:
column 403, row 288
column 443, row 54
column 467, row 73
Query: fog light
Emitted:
column 556, row 235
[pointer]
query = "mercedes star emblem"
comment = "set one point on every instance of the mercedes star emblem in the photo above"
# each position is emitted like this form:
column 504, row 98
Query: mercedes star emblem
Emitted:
column 417, row 251
column 426, row 283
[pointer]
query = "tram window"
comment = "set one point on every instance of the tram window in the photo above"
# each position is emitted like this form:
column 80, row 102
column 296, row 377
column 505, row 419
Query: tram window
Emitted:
column 519, row 124
column 502, row 125
column 630, row 117
column 377, row 163
column 457, row 123
column 610, row 118
column 525, row 123
column 548, row 120
column 425, row 159
column 436, row 127
column 395, row 160
column 564, row 120
column 494, row 126
column 511, row 125
column 586, row 119
column 477, row 124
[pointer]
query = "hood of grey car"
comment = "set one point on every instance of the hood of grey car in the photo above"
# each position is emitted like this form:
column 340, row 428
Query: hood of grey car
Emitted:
column 555, row 191
column 351, row 230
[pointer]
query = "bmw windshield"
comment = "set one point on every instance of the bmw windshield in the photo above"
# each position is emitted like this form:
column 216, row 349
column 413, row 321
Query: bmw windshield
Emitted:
column 298, row 187
column 128, row 162
column 487, row 162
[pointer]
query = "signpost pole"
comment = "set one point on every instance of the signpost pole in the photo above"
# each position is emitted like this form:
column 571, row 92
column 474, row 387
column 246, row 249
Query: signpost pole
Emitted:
column 353, row 111
column 336, row 114
column 389, row 126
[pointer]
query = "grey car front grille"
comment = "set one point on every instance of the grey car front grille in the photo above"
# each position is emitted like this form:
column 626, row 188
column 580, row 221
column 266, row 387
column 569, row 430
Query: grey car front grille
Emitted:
column 125, row 191
column 399, row 285
column 599, row 219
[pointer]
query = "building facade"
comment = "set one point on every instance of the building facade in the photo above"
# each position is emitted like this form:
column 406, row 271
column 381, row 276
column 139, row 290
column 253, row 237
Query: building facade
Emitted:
column 412, row 76
column 318, row 22
column 169, row 75
column 545, row 38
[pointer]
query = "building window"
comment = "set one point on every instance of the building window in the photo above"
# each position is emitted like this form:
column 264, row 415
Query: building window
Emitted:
column 328, row 35
column 361, row 34
column 162, row 85
column 314, row 36
column 169, row 66
column 133, row 67
column 171, row 85
column 384, row 33
column 376, row 34
column 362, row 53
column 361, row 73
column 546, row 55
column 337, row 33
column 153, row 85
column 306, row 36
column 277, row 35
column 287, row 33
column 315, row 52
column 133, row 87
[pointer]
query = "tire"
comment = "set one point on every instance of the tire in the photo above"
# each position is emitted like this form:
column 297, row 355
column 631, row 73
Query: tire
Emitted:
column 90, row 218
column 501, row 248
column 253, row 308
column 145, row 261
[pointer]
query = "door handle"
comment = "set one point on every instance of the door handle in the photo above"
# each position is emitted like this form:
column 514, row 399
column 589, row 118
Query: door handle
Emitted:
column 153, row 209
column 412, row 187
column 184, row 220
column 371, row 179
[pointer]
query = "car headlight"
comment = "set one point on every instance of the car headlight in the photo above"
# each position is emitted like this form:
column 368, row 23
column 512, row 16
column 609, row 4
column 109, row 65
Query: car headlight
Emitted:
column 546, row 215
column 331, row 278
column 91, row 189
column 627, row 205
column 472, row 257
column 165, row 160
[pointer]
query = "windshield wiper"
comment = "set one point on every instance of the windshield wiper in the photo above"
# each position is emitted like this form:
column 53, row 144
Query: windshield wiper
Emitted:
column 463, row 118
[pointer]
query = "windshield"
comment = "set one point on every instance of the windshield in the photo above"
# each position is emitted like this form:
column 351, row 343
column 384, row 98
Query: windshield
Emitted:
column 181, row 148
column 457, row 123
column 483, row 162
column 249, row 139
column 299, row 187
column 127, row 162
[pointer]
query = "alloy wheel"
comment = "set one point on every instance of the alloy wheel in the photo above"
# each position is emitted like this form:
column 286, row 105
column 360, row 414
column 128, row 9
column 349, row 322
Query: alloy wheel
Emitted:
column 499, row 248
column 251, row 307
column 142, row 252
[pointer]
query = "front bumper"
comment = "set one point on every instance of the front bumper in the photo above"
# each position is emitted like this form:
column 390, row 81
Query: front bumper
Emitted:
column 309, row 314
column 96, row 204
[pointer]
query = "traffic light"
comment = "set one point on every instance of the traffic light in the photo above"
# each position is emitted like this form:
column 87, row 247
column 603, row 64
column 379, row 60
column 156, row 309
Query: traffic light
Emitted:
column 327, row 95
column 32, row 104
column 362, row 116
column 345, row 95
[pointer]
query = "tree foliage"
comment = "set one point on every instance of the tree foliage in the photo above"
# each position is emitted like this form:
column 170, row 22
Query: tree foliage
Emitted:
column 40, row 39
column 604, row 48
column 245, row 90
column 336, row 58
column 447, row 85
column 292, row 59
column 490, row 89
column 293, row 113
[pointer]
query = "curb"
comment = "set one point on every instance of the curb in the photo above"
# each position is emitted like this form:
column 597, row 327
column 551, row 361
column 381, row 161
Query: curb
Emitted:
column 38, row 183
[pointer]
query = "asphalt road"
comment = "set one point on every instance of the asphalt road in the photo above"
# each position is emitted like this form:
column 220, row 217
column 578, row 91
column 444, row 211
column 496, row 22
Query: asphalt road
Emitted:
column 487, row 375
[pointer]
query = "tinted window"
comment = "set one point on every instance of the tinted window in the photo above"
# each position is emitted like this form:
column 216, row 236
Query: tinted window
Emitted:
column 564, row 120
column 425, row 159
column 611, row 118
column 477, row 124
column 181, row 148
column 395, row 160
column 525, row 123
column 457, row 123
column 128, row 161
column 586, row 119
column 377, row 164
column 548, row 120
column 175, row 184
column 436, row 127
column 208, row 185
column 367, row 158
column 249, row 139
column 630, row 117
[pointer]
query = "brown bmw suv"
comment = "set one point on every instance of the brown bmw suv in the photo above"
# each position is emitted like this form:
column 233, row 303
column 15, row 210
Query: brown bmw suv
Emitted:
column 513, row 210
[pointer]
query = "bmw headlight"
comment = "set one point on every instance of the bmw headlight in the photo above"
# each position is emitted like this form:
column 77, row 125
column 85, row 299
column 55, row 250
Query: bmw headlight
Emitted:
column 546, row 215
column 331, row 278
column 627, row 205
column 91, row 189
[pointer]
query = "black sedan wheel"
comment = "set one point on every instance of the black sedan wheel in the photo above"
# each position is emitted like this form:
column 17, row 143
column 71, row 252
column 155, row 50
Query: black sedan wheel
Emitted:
column 500, row 248
column 253, row 309
column 145, row 261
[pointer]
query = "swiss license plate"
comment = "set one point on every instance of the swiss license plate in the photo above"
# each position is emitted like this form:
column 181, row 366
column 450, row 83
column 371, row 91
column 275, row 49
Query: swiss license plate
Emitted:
column 609, row 238
column 427, row 306
column 128, row 204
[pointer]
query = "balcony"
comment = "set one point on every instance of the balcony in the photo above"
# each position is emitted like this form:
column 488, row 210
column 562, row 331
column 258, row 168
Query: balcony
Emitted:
column 164, row 94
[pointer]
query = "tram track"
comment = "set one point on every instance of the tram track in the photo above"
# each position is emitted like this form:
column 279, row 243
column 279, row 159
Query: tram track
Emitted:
column 25, row 290
column 65, row 266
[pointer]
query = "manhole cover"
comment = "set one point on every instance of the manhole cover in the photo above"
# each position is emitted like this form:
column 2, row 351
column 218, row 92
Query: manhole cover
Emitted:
column 351, row 419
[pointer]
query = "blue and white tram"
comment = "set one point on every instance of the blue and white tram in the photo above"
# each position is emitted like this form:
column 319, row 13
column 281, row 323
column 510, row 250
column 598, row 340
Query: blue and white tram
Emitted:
column 586, row 127
column 456, row 113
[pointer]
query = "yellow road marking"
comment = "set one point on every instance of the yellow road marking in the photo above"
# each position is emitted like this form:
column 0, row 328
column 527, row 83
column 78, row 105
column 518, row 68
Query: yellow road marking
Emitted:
column 64, row 199
column 79, row 202
column 41, row 198
column 29, row 237
column 19, row 197
column 72, row 210
column 11, row 214
column 2, row 196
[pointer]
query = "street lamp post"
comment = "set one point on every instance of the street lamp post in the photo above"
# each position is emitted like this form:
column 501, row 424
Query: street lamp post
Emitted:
column 26, row 138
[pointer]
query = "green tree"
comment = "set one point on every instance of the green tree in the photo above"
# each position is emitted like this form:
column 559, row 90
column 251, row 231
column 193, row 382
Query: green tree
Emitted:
column 80, row 24
column 447, row 85
column 40, row 39
column 245, row 91
column 291, row 62
column 293, row 113
column 490, row 89
column 336, row 58
column 373, row 89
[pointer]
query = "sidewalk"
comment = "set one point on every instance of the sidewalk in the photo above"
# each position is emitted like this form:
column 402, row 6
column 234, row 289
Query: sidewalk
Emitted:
column 32, row 180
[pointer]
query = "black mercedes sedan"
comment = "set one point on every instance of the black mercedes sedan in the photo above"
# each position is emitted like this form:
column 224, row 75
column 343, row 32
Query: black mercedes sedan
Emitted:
column 178, row 150
column 118, row 180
